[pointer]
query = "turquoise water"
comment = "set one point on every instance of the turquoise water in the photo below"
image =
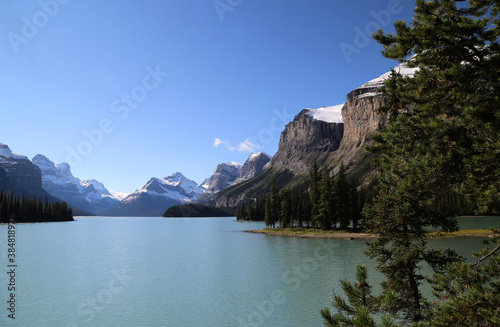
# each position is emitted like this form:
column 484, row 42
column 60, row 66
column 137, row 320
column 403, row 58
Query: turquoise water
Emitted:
column 175, row 272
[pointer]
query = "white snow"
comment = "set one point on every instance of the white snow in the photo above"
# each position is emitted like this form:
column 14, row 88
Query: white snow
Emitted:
column 332, row 114
column 179, row 180
column 119, row 195
column 7, row 153
column 403, row 69
column 254, row 156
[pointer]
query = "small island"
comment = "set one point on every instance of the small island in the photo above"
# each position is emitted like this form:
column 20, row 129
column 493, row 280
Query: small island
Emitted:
column 193, row 210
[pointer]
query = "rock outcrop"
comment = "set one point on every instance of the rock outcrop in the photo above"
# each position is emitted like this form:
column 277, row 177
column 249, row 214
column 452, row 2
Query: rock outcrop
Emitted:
column 223, row 176
column 328, row 135
column 58, row 180
column 304, row 140
column 252, row 167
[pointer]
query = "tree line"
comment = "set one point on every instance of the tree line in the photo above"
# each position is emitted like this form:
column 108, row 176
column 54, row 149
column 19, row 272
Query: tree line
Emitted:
column 23, row 209
column 329, row 202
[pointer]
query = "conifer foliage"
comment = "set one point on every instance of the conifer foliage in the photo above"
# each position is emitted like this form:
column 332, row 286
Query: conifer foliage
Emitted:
column 442, row 139
column 328, row 203
column 23, row 209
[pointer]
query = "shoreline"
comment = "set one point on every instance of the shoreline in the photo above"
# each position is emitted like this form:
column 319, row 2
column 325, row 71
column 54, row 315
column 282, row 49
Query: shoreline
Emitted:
column 356, row 236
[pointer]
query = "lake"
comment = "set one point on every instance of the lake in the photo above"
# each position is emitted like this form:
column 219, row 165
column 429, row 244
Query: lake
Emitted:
column 116, row 271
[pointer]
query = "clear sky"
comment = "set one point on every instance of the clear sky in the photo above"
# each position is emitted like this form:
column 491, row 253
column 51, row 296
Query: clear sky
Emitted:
column 129, row 90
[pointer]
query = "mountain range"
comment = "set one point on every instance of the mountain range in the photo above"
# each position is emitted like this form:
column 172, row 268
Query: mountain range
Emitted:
column 328, row 136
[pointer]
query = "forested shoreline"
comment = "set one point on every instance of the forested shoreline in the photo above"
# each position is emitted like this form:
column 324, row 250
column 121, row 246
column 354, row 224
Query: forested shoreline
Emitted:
column 15, row 209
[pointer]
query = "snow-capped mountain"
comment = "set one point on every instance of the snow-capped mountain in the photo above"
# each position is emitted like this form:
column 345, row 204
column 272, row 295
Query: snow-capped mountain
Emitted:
column 223, row 176
column 157, row 196
column 252, row 167
column 19, row 175
column 6, row 153
column 57, row 179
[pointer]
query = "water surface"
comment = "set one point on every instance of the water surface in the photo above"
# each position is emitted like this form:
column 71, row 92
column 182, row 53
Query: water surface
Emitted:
column 115, row 271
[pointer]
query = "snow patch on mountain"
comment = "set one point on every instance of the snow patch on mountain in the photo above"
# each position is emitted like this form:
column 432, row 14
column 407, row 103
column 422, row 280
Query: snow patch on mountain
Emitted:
column 378, row 82
column 175, row 186
column 6, row 153
column 331, row 114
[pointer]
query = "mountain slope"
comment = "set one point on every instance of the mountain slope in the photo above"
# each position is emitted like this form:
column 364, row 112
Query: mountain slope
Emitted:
column 20, row 176
column 157, row 196
column 58, row 180
column 252, row 167
column 328, row 136
column 223, row 176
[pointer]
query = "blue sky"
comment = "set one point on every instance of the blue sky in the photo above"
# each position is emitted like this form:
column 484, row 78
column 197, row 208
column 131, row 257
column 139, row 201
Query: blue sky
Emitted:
column 128, row 90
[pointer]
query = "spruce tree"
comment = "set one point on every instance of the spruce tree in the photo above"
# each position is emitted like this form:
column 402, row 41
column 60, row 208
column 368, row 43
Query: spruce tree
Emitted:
column 314, row 194
column 342, row 196
column 442, row 136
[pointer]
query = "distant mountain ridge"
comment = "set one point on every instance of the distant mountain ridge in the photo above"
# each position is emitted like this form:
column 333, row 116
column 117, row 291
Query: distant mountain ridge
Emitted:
column 57, row 179
column 20, row 176
column 156, row 196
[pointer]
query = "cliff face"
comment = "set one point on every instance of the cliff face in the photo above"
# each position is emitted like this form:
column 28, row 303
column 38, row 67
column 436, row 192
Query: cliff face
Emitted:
column 360, row 120
column 20, row 171
column 329, row 136
column 305, row 140
column 20, row 176
column 252, row 167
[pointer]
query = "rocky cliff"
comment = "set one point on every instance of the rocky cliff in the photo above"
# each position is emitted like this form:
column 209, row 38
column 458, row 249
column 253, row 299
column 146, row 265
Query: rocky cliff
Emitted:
column 58, row 180
column 305, row 139
column 252, row 167
column 328, row 135
column 20, row 176
column 223, row 176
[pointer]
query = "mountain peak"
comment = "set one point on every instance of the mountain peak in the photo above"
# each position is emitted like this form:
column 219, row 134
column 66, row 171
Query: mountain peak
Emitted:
column 6, row 152
column 255, row 156
column 252, row 167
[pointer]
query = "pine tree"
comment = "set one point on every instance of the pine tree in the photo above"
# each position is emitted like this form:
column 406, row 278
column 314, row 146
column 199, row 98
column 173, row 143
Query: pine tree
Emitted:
column 324, row 206
column 442, row 136
column 470, row 293
column 360, row 307
column 268, row 213
column 314, row 194
column 286, row 208
column 342, row 195
column 275, row 205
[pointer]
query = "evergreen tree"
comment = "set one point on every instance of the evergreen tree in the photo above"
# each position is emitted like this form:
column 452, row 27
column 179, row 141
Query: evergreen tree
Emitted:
column 324, row 206
column 314, row 194
column 286, row 208
column 275, row 205
column 360, row 306
column 342, row 194
column 442, row 136
column 268, row 213
column 470, row 293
